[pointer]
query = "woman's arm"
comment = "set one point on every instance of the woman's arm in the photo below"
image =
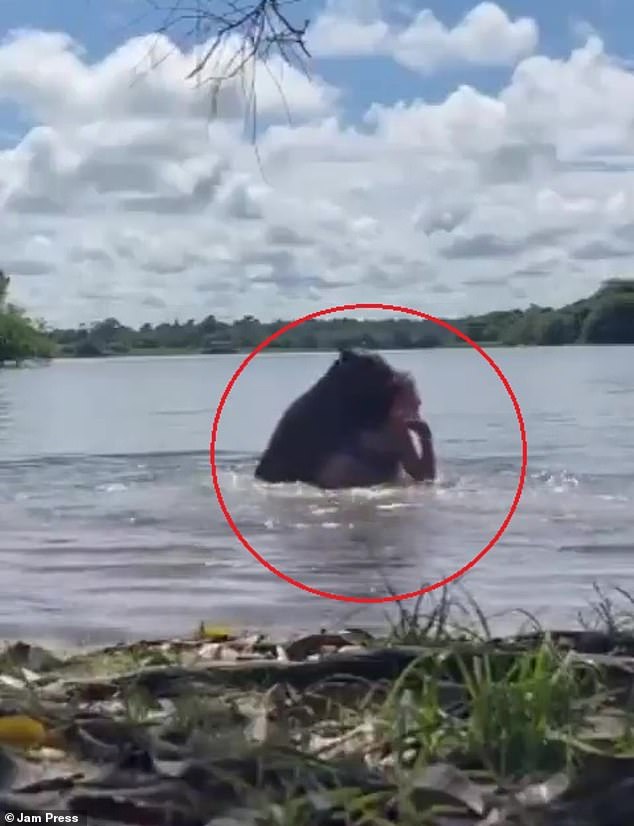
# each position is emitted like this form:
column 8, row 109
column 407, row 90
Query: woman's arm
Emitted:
column 422, row 467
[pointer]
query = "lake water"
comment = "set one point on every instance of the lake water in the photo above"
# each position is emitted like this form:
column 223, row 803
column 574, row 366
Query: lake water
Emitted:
column 110, row 528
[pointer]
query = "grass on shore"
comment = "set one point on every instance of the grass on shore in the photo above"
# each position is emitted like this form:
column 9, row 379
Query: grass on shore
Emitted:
column 436, row 722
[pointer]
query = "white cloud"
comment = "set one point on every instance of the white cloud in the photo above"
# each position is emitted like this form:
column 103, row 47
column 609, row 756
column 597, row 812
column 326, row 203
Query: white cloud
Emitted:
column 348, row 29
column 128, row 200
column 485, row 36
column 144, row 78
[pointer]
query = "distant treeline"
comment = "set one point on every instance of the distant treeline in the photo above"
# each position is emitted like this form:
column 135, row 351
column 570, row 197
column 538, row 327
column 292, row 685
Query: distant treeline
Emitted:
column 607, row 317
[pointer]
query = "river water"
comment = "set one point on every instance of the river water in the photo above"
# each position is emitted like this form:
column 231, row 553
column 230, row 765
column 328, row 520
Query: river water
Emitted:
column 110, row 527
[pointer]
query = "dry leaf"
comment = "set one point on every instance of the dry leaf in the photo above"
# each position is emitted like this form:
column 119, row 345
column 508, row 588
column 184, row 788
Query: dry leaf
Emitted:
column 215, row 633
column 444, row 783
column 12, row 682
column 21, row 731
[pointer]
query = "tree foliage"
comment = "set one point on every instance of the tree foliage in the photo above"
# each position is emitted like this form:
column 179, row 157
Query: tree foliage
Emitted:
column 611, row 321
column 20, row 338
column 4, row 289
column 607, row 317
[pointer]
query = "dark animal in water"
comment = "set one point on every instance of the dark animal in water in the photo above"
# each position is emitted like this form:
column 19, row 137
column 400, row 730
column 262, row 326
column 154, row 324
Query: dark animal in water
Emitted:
column 355, row 394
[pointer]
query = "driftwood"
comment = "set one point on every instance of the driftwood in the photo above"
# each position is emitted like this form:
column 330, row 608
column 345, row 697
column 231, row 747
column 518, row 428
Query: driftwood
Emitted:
column 370, row 665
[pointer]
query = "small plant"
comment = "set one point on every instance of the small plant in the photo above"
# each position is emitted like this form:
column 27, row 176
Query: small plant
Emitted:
column 607, row 617
column 515, row 712
column 417, row 720
column 413, row 627
column 137, row 705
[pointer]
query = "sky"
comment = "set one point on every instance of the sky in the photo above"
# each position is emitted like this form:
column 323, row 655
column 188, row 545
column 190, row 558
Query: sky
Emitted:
column 452, row 156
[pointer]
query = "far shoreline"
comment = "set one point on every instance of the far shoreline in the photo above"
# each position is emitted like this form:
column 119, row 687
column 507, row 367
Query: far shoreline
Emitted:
column 285, row 351
column 166, row 353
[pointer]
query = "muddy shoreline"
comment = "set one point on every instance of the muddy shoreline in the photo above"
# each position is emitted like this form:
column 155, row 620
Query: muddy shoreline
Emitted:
column 433, row 718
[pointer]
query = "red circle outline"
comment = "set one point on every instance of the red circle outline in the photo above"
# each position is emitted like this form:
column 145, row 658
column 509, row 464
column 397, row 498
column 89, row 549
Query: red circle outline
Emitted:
column 397, row 597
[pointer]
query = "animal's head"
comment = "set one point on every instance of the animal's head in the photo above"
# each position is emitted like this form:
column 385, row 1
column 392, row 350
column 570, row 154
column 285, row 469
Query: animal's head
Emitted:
column 366, row 385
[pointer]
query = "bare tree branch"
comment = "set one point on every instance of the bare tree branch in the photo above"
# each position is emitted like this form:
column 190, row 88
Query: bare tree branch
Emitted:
column 238, row 37
column 252, row 29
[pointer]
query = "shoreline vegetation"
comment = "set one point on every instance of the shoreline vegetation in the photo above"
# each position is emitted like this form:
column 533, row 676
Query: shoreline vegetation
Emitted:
column 606, row 317
column 436, row 722
column 21, row 339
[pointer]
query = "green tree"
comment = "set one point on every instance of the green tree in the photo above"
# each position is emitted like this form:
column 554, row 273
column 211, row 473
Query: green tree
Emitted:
column 557, row 328
column 4, row 289
column 20, row 338
column 611, row 321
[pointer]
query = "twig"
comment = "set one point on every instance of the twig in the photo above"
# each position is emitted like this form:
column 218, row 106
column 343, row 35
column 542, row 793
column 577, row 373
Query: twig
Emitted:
column 235, row 35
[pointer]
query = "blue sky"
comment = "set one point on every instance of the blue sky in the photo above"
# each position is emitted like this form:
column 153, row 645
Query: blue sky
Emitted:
column 100, row 25
column 412, row 171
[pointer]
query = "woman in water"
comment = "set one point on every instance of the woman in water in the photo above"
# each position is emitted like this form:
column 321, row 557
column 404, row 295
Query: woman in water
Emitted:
column 380, row 456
